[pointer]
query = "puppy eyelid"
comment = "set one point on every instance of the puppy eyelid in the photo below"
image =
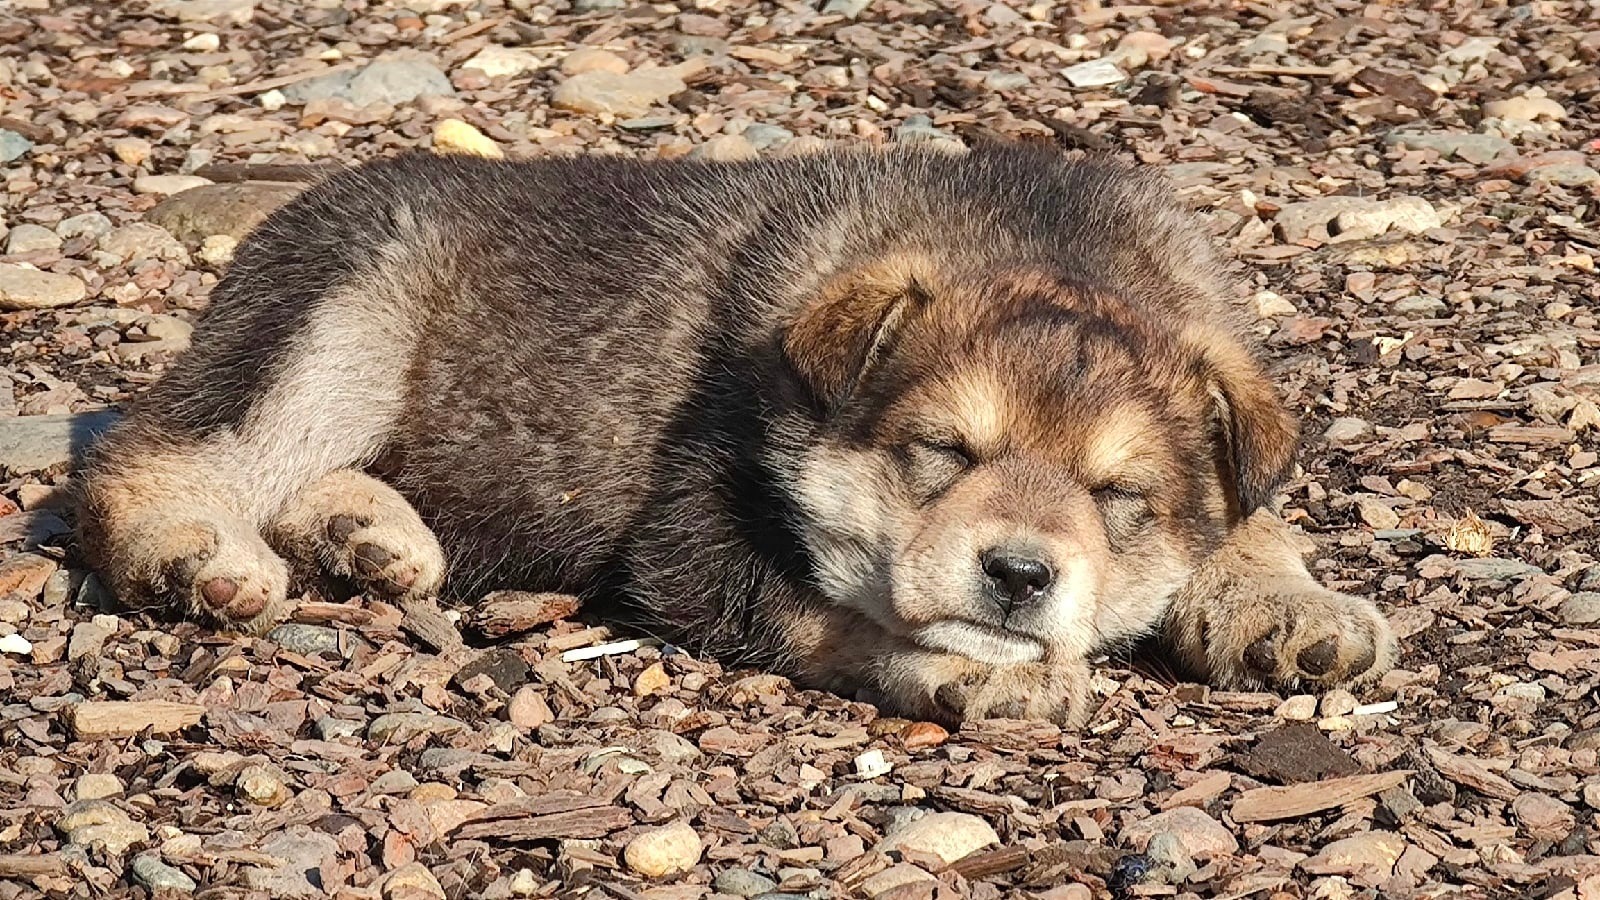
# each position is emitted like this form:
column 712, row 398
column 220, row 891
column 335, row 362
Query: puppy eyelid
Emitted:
column 952, row 448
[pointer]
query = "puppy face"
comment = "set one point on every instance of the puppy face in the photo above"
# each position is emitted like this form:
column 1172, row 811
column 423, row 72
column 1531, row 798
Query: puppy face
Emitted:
column 1010, row 469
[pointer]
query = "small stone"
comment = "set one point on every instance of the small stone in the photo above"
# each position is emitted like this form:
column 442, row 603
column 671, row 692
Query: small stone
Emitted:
column 87, row 640
column 150, row 871
column 392, row 82
column 1337, row 219
column 743, row 883
column 223, row 12
column 948, row 835
column 412, row 881
column 504, row 666
column 1138, row 48
column 1377, row 514
column 653, row 680
column 30, row 238
column 767, row 137
column 525, row 883
column 593, row 59
column 96, row 786
column 657, row 852
column 625, row 95
column 1472, row 148
column 528, row 709
column 1371, row 854
column 1270, row 304
column 1348, row 430
column 1525, row 109
column 143, row 240
column 262, row 786
column 91, row 225
column 725, row 148
column 850, row 9
column 1543, row 817
column 301, row 853
column 167, row 328
column 447, row 815
column 16, row 645
column 166, row 185
column 1338, row 702
column 1582, row 608
column 456, row 136
column 12, row 146
column 1174, row 865
column 896, row 876
column 24, row 575
column 872, row 764
column 330, row 729
column 24, row 287
column 1200, row 835
column 307, row 640
column 1094, row 73
column 204, row 42
column 218, row 249
column 921, row 735
column 99, row 825
column 1492, row 568
column 496, row 61
column 1566, row 175
column 132, row 151
column 401, row 727
column 1299, row 708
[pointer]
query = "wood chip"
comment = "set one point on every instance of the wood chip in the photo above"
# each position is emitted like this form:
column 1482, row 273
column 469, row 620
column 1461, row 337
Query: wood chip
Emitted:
column 96, row 720
column 1472, row 773
column 1276, row 803
column 505, row 613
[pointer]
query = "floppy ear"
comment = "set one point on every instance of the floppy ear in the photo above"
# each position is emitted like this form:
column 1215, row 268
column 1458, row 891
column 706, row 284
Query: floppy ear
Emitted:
column 844, row 329
column 1257, row 437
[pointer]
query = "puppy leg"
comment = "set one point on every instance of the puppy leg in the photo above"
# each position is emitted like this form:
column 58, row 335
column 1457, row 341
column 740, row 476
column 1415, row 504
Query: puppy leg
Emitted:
column 1253, row 617
column 844, row 652
column 354, row 526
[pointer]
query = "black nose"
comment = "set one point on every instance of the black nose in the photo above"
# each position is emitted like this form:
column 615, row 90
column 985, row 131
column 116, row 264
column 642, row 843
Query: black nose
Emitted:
column 1017, row 580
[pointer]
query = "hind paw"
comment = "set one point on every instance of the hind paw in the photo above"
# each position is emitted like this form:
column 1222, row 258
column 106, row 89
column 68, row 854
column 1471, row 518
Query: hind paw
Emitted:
column 355, row 527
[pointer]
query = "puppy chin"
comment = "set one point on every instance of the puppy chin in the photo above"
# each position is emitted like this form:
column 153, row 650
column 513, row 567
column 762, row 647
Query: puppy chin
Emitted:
column 982, row 644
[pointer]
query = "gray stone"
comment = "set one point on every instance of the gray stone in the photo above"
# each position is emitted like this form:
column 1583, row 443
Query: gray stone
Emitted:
column 1348, row 430
column 12, row 146
column 1006, row 81
column 588, row 6
column 389, row 81
column 766, row 137
column 1580, row 609
column 403, row 726
column 167, row 328
column 230, row 209
column 850, row 9
column 1492, row 569
column 920, row 129
column 29, row 238
column 1174, row 865
column 23, row 287
column 150, row 871
column 743, row 883
column 1339, row 219
column 31, row 444
column 306, row 640
column 91, row 225
column 88, row 638
column 228, row 12
column 330, row 729
column 100, row 825
column 1473, row 148
column 304, row 853
column 1419, row 305
column 948, row 835
column 143, row 240
column 1566, row 175
column 1199, row 834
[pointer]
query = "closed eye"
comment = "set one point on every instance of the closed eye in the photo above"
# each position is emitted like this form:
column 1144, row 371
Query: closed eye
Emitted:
column 933, row 465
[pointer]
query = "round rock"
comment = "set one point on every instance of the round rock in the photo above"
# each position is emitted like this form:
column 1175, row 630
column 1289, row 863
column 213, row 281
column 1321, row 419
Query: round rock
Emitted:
column 23, row 287
column 156, row 875
column 947, row 835
column 662, row 851
column 1200, row 835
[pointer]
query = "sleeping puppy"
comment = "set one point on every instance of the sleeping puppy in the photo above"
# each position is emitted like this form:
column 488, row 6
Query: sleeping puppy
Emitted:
column 933, row 428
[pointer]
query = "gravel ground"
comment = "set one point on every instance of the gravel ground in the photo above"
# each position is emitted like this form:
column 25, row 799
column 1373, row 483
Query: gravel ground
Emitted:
column 1412, row 186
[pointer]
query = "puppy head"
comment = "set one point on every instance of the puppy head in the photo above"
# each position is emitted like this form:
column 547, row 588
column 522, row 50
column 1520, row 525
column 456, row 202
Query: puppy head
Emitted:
column 1008, row 467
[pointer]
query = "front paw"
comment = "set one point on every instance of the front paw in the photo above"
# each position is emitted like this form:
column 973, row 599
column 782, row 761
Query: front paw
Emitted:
column 1050, row 692
column 1292, row 634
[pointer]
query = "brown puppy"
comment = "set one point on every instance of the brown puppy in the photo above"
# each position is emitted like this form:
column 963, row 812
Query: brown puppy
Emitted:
column 937, row 428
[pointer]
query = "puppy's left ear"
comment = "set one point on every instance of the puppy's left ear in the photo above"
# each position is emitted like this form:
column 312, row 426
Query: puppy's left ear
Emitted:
column 846, row 328
column 1257, row 438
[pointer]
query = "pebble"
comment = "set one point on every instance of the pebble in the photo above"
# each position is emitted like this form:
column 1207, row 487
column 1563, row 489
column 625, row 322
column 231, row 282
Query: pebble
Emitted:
column 88, row 638
column 657, row 852
column 1377, row 514
column 13, row 146
column 132, row 151
column 593, row 59
column 1543, row 817
column 24, row 287
column 1565, row 174
column 392, row 81
column 850, row 9
column 16, row 644
column 872, row 764
column 1006, row 81
column 300, row 852
column 1338, row 702
column 1174, row 863
column 1137, row 48
column 725, row 148
column 100, row 825
column 1200, row 835
column 456, row 136
column 948, row 835
column 222, row 12
column 496, row 61
column 920, row 130
column 653, row 680
column 412, row 882
column 504, row 666
column 1525, row 109
column 91, row 225
column 625, row 95
column 1371, row 854
column 262, row 786
column 1491, row 568
column 96, row 786
column 1582, row 608
column 329, row 728
column 140, row 241
column 150, row 871
column 528, row 709
column 896, row 876
column 1299, row 708
column 1338, row 219
column 306, row 640
column 230, row 209
column 1472, row 148
column 1348, row 430
column 166, row 185
column 401, row 727
column 1094, row 73
column 743, row 883
column 29, row 238
column 767, row 137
